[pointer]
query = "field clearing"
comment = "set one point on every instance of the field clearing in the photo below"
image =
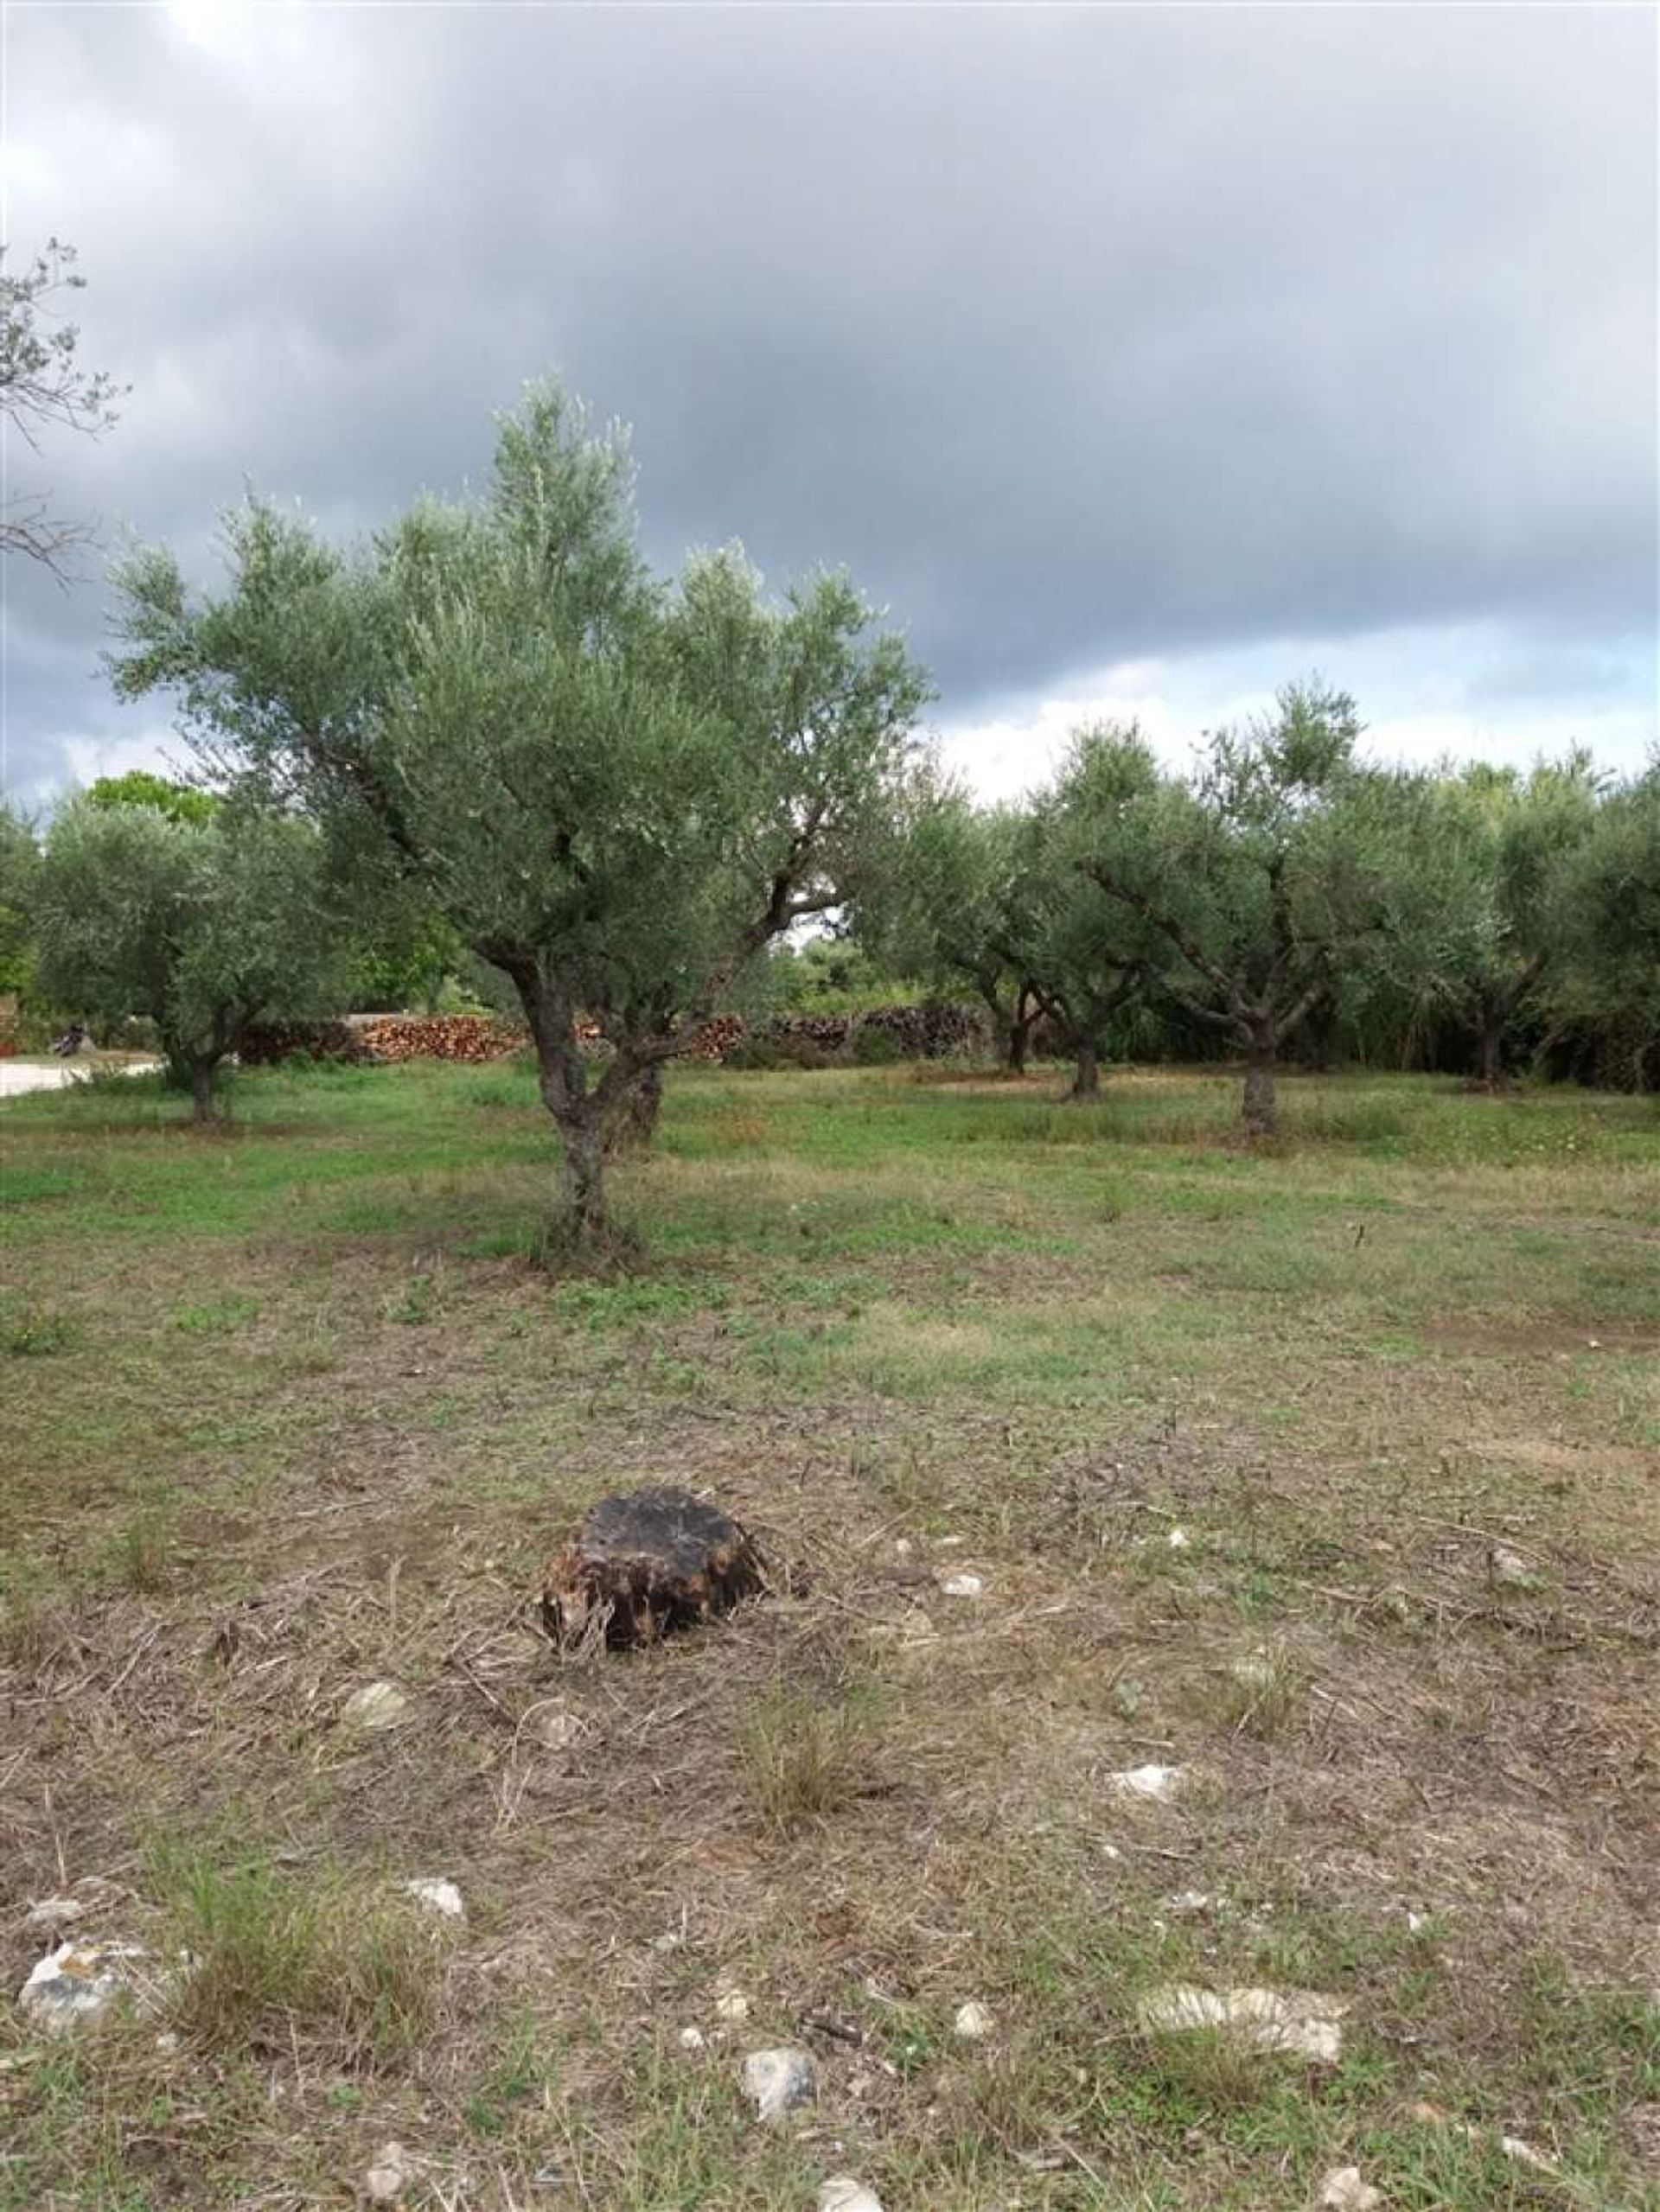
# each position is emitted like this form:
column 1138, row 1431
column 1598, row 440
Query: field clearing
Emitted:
column 1328, row 1473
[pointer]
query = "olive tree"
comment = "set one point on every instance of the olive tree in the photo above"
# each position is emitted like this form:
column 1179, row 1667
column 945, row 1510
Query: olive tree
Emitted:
column 941, row 909
column 44, row 385
column 1511, row 845
column 205, row 925
column 1275, row 871
column 1612, row 975
column 617, row 791
column 1089, row 956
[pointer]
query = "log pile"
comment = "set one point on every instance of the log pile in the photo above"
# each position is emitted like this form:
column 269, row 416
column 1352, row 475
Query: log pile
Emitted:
column 923, row 1032
column 473, row 1037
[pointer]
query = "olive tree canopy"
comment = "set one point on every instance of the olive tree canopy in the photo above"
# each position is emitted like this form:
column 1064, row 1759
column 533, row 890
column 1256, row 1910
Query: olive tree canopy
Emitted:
column 617, row 791
column 205, row 925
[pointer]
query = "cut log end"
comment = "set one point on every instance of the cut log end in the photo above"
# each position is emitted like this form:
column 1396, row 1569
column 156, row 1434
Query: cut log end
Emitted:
column 644, row 1565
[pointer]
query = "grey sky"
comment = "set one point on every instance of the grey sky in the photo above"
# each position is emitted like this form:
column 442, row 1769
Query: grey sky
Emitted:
column 1136, row 357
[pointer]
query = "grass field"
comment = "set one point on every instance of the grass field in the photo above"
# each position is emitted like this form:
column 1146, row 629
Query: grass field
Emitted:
column 1329, row 1474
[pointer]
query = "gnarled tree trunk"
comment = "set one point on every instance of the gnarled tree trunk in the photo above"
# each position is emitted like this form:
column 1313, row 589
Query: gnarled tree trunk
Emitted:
column 635, row 1123
column 1490, row 1049
column 1086, row 1080
column 1259, row 1109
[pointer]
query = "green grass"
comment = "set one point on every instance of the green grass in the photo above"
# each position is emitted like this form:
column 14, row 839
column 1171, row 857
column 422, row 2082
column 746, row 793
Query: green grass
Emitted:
column 290, row 1409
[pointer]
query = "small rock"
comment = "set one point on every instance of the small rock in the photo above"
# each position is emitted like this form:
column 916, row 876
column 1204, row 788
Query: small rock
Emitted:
column 692, row 2039
column 1510, row 1568
column 1295, row 2021
column 1416, row 1923
column 375, row 1706
column 167, row 2043
column 1160, row 1783
column 902, row 1549
column 1525, row 2155
column 1188, row 1901
column 388, row 2176
column 841, row 2193
column 438, row 1896
column 973, row 2023
column 1178, row 1540
column 962, row 1586
column 557, row 1728
column 1256, row 1670
column 77, row 1982
column 732, row 2005
column 780, row 2081
column 54, row 1912
column 1342, row 2190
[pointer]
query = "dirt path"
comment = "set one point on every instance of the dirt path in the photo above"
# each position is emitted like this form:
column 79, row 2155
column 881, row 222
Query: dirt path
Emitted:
column 17, row 1076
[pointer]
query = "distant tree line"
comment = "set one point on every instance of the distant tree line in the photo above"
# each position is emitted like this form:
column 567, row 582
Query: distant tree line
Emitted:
column 1284, row 899
column 489, row 748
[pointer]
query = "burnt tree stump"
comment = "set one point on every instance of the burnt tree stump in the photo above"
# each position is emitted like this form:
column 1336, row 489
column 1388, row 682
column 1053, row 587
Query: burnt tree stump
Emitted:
column 644, row 1565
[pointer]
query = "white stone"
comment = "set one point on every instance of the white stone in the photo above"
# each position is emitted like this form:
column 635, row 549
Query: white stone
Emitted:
column 901, row 1546
column 375, row 1706
column 692, row 2039
column 1525, row 2155
column 388, row 2176
column 1342, row 2190
column 732, row 2005
column 841, row 2193
column 1160, row 1783
column 962, row 1586
column 1189, row 1901
column 973, row 2023
column 560, row 1728
column 1178, row 1540
column 77, row 1982
column 780, row 2081
column 1510, row 1567
column 54, row 1912
column 1292, row 2020
column 438, row 1896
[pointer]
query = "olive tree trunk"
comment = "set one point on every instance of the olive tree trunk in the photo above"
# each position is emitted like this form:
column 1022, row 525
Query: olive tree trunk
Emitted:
column 1086, row 1081
column 1259, row 1108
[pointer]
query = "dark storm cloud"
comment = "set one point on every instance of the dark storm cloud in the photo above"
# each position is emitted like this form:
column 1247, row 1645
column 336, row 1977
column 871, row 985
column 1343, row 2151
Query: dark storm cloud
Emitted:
column 1078, row 334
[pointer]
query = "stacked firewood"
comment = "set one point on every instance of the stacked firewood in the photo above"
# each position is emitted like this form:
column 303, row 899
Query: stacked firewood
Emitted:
column 441, row 1036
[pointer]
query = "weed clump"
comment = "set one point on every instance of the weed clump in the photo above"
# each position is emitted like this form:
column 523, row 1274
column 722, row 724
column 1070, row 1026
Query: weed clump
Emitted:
column 277, row 1958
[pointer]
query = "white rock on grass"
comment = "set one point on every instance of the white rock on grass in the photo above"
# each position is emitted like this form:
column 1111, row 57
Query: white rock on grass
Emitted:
column 1256, row 1670
column 732, row 2005
column 77, row 1982
column 962, row 1586
column 1186, row 1902
column 1178, row 1540
column 973, row 2023
column 692, row 2039
column 1162, row 1784
column 841, row 2193
column 1511, row 1568
column 388, row 2177
column 556, row 1728
column 54, row 1912
column 780, row 2081
column 377, row 1705
column 1294, row 2020
column 1342, row 2190
column 438, row 1896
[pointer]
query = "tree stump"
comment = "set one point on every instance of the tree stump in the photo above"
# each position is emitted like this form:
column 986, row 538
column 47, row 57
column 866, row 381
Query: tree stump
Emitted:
column 644, row 1565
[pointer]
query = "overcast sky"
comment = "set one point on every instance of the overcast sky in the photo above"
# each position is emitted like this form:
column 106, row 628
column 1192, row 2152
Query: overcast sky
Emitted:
column 1136, row 358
